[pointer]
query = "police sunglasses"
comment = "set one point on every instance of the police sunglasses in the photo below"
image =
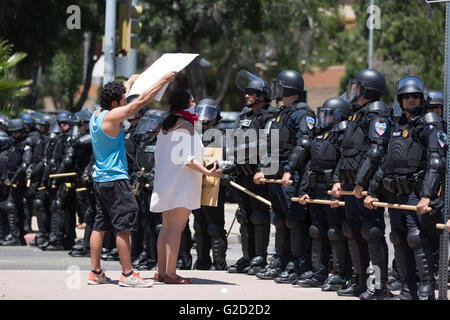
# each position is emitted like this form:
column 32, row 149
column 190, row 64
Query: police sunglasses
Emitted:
column 251, row 92
column 411, row 95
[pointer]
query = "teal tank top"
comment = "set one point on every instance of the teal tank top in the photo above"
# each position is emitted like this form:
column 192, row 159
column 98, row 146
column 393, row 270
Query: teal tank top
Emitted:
column 110, row 157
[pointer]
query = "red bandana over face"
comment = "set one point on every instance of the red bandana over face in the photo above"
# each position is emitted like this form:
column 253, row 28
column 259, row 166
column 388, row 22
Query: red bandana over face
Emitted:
column 189, row 114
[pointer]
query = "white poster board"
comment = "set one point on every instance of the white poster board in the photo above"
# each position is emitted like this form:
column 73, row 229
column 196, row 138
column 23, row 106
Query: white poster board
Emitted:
column 166, row 63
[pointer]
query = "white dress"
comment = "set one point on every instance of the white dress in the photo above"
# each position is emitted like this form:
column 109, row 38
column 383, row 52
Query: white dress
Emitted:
column 176, row 185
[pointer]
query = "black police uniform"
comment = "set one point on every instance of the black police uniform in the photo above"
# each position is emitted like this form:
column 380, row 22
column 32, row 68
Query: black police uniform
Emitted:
column 363, row 147
column 326, row 227
column 295, row 124
column 413, row 168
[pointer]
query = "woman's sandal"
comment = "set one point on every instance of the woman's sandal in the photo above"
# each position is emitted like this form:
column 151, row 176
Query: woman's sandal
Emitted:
column 176, row 280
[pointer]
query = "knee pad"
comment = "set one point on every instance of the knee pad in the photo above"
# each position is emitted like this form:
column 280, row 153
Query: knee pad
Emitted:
column 9, row 206
column 278, row 222
column 59, row 205
column 371, row 232
column 335, row 234
column 314, row 232
column 293, row 224
column 259, row 217
column 395, row 238
column 215, row 231
column 415, row 238
column 38, row 203
column 241, row 217
column 349, row 231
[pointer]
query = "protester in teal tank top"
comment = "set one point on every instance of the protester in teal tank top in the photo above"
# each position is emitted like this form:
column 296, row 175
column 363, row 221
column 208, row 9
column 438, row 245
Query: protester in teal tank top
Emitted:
column 110, row 157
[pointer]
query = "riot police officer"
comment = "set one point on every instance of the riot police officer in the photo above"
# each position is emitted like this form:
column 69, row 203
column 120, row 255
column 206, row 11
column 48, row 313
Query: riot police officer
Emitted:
column 149, row 222
column 327, row 222
column 412, row 174
column 209, row 221
column 5, row 142
column 295, row 123
column 18, row 160
column 363, row 147
column 435, row 102
column 34, row 174
column 65, row 197
column 252, row 215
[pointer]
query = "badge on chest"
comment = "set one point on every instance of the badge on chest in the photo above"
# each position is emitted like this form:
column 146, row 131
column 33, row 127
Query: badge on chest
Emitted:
column 149, row 149
column 245, row 123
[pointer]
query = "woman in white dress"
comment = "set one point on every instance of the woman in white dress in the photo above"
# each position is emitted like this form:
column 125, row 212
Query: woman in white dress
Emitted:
column 178, row 180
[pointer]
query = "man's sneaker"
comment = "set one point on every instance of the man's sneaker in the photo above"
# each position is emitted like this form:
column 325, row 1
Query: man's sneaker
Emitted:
column 98, row 279
column 134, row 280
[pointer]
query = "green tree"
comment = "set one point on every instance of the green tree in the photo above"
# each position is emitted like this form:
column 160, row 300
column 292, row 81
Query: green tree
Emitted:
column 11, row 88
column 262, row 36
column 410, row 41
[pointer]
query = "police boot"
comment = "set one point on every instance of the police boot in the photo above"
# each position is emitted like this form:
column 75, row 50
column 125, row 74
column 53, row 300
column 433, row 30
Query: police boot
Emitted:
column 317, row 280
column 202, row 247
column 78, row 245
column 257, row 264
column 341, row 261
column 372, row 293
column 55, row 245
column 219, row 249
column 142, row 257
column 241, row 266
column 354, row 287
column 424, row 262
column 148, row 264
column 104, row 254
column 80, row 253
column 394, row 282
column 113, row 255
column 11, row 240
column 334, row 282
column 290, row 273
column 407, row 292
column 274, row 269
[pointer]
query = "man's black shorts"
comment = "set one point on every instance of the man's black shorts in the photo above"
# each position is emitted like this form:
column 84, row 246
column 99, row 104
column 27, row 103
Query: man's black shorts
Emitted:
column 116, row 206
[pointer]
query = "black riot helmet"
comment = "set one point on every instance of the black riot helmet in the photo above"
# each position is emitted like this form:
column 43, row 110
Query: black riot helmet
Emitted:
column 332, row 111
column 435, row 99
column 208, row 110
column 3, row 122
column 5, row 140
column 84, row 115
column 288, row 83
column 65, row 116
column 156, row 112
column 15, row 125
column 368, row 83
column 46, row 120
column 411, row 86
column 28, row 121
column 249, row 83
column 149, row 124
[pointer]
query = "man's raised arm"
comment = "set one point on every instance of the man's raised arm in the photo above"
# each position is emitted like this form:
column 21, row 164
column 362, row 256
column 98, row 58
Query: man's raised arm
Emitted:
column 120, row 114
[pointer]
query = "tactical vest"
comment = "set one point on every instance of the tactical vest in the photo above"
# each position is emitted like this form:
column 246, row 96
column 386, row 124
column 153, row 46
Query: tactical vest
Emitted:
column 288, row 135
column 145, row 154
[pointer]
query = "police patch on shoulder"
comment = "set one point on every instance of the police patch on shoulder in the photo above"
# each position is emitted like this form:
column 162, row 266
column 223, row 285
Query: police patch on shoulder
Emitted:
column 310, row 122
column 245, row 123
column 442, row 138
column 380, row 127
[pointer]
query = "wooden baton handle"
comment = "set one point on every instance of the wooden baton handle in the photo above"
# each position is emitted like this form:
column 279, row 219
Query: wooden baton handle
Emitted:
column 348, row 193
column 264, row 180
column 440, row 226
column 397, row 206
column 62, row 175
column 239, row 187
column 319, row 201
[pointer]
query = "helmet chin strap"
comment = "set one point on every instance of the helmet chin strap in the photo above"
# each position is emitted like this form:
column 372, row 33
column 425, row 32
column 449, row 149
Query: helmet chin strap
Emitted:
column 354, row 106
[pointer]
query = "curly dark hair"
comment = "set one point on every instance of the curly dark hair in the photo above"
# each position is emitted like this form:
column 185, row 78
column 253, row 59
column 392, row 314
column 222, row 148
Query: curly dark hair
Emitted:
column 112, row 91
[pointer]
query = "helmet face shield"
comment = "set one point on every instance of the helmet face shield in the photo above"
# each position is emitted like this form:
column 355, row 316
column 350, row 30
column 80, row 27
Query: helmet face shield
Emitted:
column 411, row 81
column 278, row 89
column 397, row 110
column 151, row 124
column 206, row 113
column 246, row 80
column 327, row 116
column 355, row 90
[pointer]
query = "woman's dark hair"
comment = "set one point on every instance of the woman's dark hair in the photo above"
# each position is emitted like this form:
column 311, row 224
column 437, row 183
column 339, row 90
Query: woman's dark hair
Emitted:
column 179, row 99
column 112, row 91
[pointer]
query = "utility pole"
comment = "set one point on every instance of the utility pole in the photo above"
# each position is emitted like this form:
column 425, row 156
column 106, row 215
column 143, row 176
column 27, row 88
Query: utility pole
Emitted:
column 110, row 38
column 371, row 34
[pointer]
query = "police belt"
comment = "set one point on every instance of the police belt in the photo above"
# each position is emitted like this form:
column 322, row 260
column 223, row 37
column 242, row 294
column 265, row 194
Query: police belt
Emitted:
column 319, row 165
column 350, row 145
column 405, row 163
column 401, row 184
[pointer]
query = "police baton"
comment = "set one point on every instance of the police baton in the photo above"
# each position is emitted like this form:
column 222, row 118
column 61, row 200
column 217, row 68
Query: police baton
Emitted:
column 274, row 181
column 398, row 206
column 440, row 226
column 141, row 173
column 231, row 226
column 319, row 201
column 62, row 175
column 81, row 189
column 348, row 193
column 241, row 188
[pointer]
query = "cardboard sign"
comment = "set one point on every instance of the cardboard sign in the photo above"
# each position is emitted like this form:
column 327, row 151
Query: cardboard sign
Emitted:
column 210, row 185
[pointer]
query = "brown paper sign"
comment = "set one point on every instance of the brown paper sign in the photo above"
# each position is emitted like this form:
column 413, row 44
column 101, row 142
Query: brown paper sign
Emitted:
column 210, row 185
